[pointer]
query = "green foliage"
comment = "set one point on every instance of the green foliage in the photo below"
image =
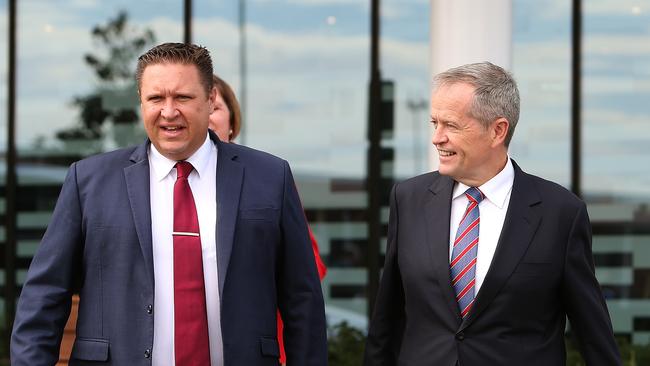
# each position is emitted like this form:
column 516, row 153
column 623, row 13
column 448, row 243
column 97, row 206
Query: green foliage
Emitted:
column 123, row 43
column 4, row 343
column 631, row 354
column 346, row 345
column 573, row 356
column 634, row 354
column 119, row 45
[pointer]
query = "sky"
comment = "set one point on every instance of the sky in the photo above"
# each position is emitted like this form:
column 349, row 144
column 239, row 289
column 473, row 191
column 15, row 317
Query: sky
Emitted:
column 308, row 72
column 616, row 90
column 308, row 68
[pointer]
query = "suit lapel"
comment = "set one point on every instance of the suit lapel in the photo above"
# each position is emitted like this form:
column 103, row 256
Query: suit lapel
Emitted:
column 230, row 174
column 519, row 227
column 137, row 186
column 438, row 212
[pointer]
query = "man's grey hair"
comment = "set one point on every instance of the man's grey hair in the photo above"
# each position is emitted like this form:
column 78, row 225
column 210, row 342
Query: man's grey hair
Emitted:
column 495, row 95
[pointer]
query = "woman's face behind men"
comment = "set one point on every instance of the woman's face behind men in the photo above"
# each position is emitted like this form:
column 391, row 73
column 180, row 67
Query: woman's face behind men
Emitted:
column 220, row 119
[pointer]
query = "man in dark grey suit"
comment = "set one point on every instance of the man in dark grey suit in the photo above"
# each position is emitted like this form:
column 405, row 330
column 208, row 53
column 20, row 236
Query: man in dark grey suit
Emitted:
column 485, row 262
column 113, row 239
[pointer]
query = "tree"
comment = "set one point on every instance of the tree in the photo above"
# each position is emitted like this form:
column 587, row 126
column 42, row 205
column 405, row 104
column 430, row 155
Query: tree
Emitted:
column 115, row 98
column 345, row 345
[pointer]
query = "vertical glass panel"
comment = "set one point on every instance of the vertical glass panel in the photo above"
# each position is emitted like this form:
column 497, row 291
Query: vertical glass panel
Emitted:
column 405, row 61
column 76, row 93
column 215, row 25
column 4, row 30
column 615, row 156
column 542, row 67
column 76, row 60
column 616, row 110
column 307, row 76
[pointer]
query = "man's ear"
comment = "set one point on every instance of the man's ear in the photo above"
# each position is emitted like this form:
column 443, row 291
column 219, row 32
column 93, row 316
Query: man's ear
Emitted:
column 499, row 131
column 212, row 99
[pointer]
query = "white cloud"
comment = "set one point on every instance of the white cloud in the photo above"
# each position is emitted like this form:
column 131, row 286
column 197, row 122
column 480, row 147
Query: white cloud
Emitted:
column 624, row 122
column 623, row 45
column 310, row 88
column 363, row 3
column 307, row 91
column 51, row 67
column 619, row 7
column 610, row 85
column 85, row 4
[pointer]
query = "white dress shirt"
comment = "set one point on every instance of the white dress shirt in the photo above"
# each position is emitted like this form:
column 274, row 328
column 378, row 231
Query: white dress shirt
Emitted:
column 202, row 180
column 492, row 209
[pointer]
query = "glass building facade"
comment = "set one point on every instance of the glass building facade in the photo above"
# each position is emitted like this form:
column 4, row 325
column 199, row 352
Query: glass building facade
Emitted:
column 301, row 69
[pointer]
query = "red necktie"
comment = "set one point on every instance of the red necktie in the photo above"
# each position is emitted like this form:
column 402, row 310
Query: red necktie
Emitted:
column 191, row 342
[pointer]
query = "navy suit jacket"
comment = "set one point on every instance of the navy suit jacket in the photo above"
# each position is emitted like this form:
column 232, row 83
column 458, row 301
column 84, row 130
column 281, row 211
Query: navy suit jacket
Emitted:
column 542, row 272
column 99, row 243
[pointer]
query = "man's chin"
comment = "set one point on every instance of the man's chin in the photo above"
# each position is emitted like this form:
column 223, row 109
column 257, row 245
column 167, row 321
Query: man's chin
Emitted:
column 444, row 169
column 174, row 151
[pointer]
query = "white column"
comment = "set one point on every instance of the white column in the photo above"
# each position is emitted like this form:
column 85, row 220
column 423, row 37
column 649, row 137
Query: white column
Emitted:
column 467, row 31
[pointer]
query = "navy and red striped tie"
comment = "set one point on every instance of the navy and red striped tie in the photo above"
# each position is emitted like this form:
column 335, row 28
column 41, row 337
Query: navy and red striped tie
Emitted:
column 463, row 257
column 191, row 342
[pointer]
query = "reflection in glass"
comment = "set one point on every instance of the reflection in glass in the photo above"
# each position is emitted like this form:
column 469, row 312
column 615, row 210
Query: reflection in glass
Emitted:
column 75, row 93
column 542, row 66
column 3, row 81
column 3, row 138
column 405, row 61
column 616, row 110
column 615, row 156
column 306, row 93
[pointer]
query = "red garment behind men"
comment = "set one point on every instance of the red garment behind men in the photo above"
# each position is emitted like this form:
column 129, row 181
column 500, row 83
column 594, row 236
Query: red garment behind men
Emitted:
column 321, row 273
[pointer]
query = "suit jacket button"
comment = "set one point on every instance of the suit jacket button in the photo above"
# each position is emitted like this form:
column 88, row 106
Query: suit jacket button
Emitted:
column 147, row 353
column 149, row 309
column 460, row 336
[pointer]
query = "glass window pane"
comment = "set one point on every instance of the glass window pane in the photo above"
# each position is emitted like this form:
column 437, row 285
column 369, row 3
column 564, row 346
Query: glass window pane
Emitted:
column 615, row 156
column 616, row 111
column 307, row 75
column 542, row 67
column 75, row 92
column 4, row 30
column 215, row 25
column 405, row 61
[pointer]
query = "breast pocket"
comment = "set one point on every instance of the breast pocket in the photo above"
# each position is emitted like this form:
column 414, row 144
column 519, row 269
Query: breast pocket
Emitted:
column 534, row 279
column 268, row 214
column 530, row 269
column 258, row 230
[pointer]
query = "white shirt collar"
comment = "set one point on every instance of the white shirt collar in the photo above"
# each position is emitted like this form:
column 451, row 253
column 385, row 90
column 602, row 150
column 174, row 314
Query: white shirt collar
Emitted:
column 496, row 189
column 162, row 166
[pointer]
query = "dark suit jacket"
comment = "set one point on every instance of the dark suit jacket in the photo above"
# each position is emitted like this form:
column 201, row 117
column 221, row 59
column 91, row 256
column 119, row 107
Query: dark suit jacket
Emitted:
column 99, row 243
column 542, row 271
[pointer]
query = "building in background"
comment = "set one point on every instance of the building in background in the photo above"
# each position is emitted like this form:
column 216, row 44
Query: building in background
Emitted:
column 301, row 69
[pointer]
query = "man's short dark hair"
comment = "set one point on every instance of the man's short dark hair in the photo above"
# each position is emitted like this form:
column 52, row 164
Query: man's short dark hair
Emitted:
column 181, row 53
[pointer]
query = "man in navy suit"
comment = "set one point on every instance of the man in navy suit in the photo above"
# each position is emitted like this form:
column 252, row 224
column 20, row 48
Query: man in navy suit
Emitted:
column 485, row 262
column 110, row 240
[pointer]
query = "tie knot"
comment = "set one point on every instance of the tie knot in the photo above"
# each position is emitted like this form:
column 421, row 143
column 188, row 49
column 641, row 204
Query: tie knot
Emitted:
column 183, row 169
column 474, row 194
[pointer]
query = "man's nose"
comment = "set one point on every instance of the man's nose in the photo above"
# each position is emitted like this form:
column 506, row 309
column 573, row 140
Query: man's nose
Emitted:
column 168, row 110
column 438, row 136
